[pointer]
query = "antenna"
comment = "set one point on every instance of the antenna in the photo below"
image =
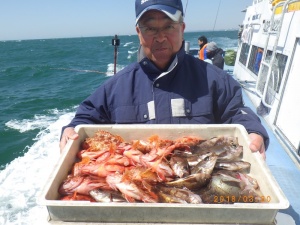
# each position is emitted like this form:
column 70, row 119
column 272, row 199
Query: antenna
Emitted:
column 217, row 16
column 186, row 5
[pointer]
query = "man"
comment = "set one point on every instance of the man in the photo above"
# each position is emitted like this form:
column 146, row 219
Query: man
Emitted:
column 258, row 59
column 215, row 54
column 202, row 42
column 167, row 86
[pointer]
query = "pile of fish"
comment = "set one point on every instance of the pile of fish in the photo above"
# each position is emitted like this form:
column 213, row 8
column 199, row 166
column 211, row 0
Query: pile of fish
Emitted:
column 186, row 170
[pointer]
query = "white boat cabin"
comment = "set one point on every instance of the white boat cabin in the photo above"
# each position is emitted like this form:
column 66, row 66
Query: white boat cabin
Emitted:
column 268, row 65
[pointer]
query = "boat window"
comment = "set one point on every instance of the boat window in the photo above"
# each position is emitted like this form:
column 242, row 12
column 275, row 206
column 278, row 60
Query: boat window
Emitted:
column 244, row 53
column 277, row 70
column 255, row 59
column 261, row 82
column 276, row 73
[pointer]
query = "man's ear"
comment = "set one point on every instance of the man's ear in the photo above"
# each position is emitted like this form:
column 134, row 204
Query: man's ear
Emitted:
column 137, row 29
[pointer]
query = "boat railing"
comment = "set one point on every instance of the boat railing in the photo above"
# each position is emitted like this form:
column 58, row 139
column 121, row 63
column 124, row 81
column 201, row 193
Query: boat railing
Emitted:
column 266, row 75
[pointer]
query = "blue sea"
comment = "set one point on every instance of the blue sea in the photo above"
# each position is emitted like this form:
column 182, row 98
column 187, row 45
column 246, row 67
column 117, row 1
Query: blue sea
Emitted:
column 41, row 84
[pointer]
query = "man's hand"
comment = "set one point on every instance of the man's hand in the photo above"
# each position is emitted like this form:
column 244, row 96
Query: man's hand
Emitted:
column 69, row 133
column 257, row 144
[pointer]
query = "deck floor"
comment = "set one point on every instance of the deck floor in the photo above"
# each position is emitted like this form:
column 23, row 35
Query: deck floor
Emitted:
column 284, row 168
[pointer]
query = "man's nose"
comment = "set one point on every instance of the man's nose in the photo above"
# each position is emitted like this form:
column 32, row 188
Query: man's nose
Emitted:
column 160, row 35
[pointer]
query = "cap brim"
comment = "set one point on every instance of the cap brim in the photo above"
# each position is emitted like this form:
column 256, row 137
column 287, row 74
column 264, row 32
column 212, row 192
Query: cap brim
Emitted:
column 172, row 13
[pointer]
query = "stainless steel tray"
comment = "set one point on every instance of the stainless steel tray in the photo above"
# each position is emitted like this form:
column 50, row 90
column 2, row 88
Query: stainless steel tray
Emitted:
column 243, row 213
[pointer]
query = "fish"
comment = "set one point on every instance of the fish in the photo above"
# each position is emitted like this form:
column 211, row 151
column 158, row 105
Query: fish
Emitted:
column 206, row 165
column 102, row 140
column 192, row 182
column 141, row 174
column 130, row 190
column 168, row 198
column 106, row 196
column 230, row 154
column 82, row 185
column 180, row 166
column 154, row 160
column 93, row 155
column 190, row 140
column 230, row 187
column 118, row 159
column 77, row 197
column 192, row 158
column 188, row 170
column 233, row 166
column 102, row 169
column 184, row 195
column 217, row 145
column 224, row 184
column 157, row 142
column 226, row 148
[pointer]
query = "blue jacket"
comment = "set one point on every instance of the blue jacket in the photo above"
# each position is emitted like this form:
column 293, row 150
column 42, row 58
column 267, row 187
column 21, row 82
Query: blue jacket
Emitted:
column 191, row 91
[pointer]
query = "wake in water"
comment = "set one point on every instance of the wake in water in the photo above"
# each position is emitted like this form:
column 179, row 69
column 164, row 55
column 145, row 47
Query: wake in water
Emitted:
column 109, row 72
column 24, row 178
column 77, row 70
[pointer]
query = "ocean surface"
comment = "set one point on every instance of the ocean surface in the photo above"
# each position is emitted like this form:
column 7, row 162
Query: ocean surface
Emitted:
column 41, row 84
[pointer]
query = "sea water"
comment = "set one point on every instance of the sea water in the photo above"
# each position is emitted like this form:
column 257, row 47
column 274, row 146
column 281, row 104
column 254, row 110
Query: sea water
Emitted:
column 41, row 84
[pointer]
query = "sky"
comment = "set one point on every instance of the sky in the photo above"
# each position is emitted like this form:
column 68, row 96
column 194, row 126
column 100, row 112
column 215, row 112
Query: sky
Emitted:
column 42, row 19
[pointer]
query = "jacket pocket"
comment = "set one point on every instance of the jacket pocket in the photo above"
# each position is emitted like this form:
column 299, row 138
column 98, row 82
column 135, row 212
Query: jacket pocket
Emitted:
column 130, row 114
column 198, row 111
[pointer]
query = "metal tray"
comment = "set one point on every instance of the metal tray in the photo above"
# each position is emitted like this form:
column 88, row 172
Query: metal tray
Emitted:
column 82, row 211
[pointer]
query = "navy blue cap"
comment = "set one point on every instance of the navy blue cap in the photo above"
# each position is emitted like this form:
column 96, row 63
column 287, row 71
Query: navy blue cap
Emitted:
column 172, row 8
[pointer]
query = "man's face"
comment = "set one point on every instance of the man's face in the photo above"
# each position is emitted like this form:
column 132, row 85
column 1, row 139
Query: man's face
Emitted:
column 160, row 37
column 209, row 54
column 200, row 42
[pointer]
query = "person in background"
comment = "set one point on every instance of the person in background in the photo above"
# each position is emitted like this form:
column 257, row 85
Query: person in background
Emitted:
column 240, row 32
column 215, row 54
column 202, row 41
column 167, row 86
column 258, row 59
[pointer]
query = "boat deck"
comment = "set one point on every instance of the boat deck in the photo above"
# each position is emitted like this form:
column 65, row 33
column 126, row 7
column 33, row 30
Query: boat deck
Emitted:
column 286, row 170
